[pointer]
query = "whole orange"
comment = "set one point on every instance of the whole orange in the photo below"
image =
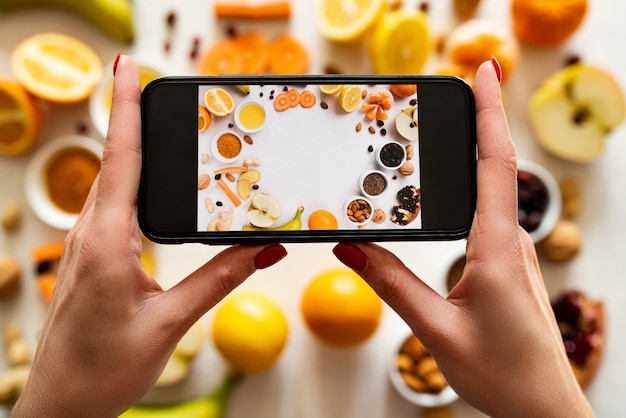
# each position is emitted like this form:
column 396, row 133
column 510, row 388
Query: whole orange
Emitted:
column 322, row 219
column 340, row 308
column 547, row 22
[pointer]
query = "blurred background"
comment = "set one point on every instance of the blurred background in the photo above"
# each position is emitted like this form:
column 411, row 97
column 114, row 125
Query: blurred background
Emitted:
column 564, row 72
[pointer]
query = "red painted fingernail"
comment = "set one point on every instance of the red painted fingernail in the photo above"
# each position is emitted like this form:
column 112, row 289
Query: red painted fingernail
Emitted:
column 269, row 256
column 351, row 256
column 496, row 66
column 117, row 59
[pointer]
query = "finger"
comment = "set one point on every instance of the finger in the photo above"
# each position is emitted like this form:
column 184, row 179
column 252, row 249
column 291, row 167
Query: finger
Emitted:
column 121, row 159
column 202, row 289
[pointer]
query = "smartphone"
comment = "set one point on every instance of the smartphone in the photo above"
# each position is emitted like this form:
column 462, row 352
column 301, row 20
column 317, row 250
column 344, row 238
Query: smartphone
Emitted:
column 258, row 159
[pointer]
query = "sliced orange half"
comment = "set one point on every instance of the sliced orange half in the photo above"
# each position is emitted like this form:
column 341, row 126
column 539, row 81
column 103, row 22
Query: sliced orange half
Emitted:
column 20, row 119
column 56, row 67
column 219, row 102
column 204, row 119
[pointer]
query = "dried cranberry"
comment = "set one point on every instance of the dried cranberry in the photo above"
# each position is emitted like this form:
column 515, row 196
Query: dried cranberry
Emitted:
column 532, row 200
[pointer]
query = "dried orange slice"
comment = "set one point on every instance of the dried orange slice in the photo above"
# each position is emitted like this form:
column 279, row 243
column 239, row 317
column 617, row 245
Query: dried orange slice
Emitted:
column 204, row 119
column 20, row 119
column 56, row 67
column 219, row 102
column 350, row 98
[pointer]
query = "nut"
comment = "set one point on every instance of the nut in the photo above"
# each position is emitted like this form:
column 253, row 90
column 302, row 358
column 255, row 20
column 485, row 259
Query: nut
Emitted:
column 11, row 215
column 253, row 162
column 209, row 205
column 359, row 126
column 563, row 243
column 248, row 139
column 572, row 202
column 203, row 181
column 359, row 211
column 230, row 177
column 410, row 152
column 10, row 275
column 379, row 216
column 418, row 369
column 407, row 169
column 204, row 158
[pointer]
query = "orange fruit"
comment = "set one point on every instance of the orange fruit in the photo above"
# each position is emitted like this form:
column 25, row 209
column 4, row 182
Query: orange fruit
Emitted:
column 20, row 119
column 547, row 22
column 477, row 40
column 219, row 102
column 204, row 118
column 322, row 219
column 340, row 308
column 56, row 67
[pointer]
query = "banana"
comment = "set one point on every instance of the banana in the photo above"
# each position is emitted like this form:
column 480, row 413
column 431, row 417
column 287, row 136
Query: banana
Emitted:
column 113, row 17
column 293, row 225
column 213, row 406
column 243, row 88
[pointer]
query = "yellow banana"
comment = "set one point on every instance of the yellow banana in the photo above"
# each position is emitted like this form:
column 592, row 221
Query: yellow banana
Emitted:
column 243, row 88
column 212, row 406
column 114, row 17
column 293, row 225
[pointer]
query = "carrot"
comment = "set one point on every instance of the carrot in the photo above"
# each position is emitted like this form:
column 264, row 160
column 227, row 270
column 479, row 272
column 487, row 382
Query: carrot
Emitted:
column 229, row 193
column 254, row 50
column 268, row 10
column 294, row 97
column 287, row 56
column 282, row 102
column 307, row 99
column 223, row 57
column 232, row 169
column 45, row 285
column 47, row 252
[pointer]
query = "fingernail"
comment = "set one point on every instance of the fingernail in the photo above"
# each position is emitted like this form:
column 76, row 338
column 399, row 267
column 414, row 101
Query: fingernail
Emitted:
column 269, row 256
column 351, row 256
column 496, row 66
column 117, row 60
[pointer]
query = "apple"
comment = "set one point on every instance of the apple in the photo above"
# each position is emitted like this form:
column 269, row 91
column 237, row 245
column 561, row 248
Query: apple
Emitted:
column 264, row 210
column 406, row 124
column 245, row 182
column 572, row 111
column 179, row 363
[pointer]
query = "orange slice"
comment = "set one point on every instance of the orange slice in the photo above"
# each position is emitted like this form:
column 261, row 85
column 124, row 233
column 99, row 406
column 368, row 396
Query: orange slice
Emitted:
column 204, row 119
column 56, row 67
column 20, row 119
column 219, row 102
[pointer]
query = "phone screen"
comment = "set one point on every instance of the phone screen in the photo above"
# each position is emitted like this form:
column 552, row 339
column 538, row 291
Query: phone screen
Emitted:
column 333, row 156
column 308, row 158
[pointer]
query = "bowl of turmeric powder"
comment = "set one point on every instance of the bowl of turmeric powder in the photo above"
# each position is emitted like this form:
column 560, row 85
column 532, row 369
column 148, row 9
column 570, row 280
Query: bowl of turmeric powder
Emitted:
column 59, row 177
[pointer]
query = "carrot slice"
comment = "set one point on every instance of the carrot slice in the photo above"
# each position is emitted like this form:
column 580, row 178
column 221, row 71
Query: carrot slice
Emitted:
column 229, row 193
column 47, row 252
column 242, row 10
column 45, row 285
column 282, row 102
column 307, row 99
column 254, row 50
column 223, row 57
column 287, row 56
column 294, row 97
column 231, row 169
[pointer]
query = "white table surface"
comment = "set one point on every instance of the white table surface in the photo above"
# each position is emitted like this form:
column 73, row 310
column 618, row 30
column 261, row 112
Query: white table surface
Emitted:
column 310, row 379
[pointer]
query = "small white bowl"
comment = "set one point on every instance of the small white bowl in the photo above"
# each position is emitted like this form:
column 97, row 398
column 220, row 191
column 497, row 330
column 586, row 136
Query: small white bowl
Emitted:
column 350, row 200
column 426, row 400
column 379, row 159
column 362, row 181
column 35, row 184
column 238, row 121
column 99, row 102
column 217, row 154
column 553, row 210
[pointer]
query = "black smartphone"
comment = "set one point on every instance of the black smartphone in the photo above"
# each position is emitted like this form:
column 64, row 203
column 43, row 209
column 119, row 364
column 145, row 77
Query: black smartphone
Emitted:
column 249, row 159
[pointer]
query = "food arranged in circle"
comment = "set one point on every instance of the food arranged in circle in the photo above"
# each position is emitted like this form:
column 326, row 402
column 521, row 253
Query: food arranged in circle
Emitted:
column 317, row 157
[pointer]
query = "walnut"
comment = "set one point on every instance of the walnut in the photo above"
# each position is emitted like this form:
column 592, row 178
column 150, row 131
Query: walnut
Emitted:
column 407, row 169
column 379, row 216
column 563, row 243
column 203, row 181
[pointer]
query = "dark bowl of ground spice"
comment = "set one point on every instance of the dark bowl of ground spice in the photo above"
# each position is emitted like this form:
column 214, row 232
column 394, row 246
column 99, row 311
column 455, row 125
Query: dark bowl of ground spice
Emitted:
column 59, row 177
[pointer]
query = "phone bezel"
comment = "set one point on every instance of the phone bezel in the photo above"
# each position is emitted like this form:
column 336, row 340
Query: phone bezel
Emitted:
column 174, row 116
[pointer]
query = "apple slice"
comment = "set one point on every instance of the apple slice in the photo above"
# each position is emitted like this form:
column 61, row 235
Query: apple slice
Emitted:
column 245, row 182
column 406, row 124
column 179, row 363
column 574, row 109
column 264, row 210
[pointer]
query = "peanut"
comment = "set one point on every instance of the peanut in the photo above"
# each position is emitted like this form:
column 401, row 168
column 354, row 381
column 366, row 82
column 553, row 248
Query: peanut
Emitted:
column 11, row 215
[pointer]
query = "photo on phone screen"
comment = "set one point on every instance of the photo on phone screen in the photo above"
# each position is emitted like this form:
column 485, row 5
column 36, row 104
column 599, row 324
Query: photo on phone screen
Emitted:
column 316, row 157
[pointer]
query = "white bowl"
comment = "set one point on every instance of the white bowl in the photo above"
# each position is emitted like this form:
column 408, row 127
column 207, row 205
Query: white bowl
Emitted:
column 362, row 180
column 553, row 210
column 35, row 185
column 99, row 105
column 217, row 154
column 238, row 122
column 350, row 200
column 379, row 160
column 427, row 400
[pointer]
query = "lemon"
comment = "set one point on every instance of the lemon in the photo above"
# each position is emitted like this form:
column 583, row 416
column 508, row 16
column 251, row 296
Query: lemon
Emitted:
column 250, row 331
column 347, row 20
column 350, row 98
column 400, row 43
column 330, row 88
column 56, row 67
column 219, row 102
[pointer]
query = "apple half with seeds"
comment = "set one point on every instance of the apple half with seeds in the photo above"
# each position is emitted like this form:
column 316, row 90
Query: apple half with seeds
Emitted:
column 407, row 124
column 574, row 109
column 263, row 211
